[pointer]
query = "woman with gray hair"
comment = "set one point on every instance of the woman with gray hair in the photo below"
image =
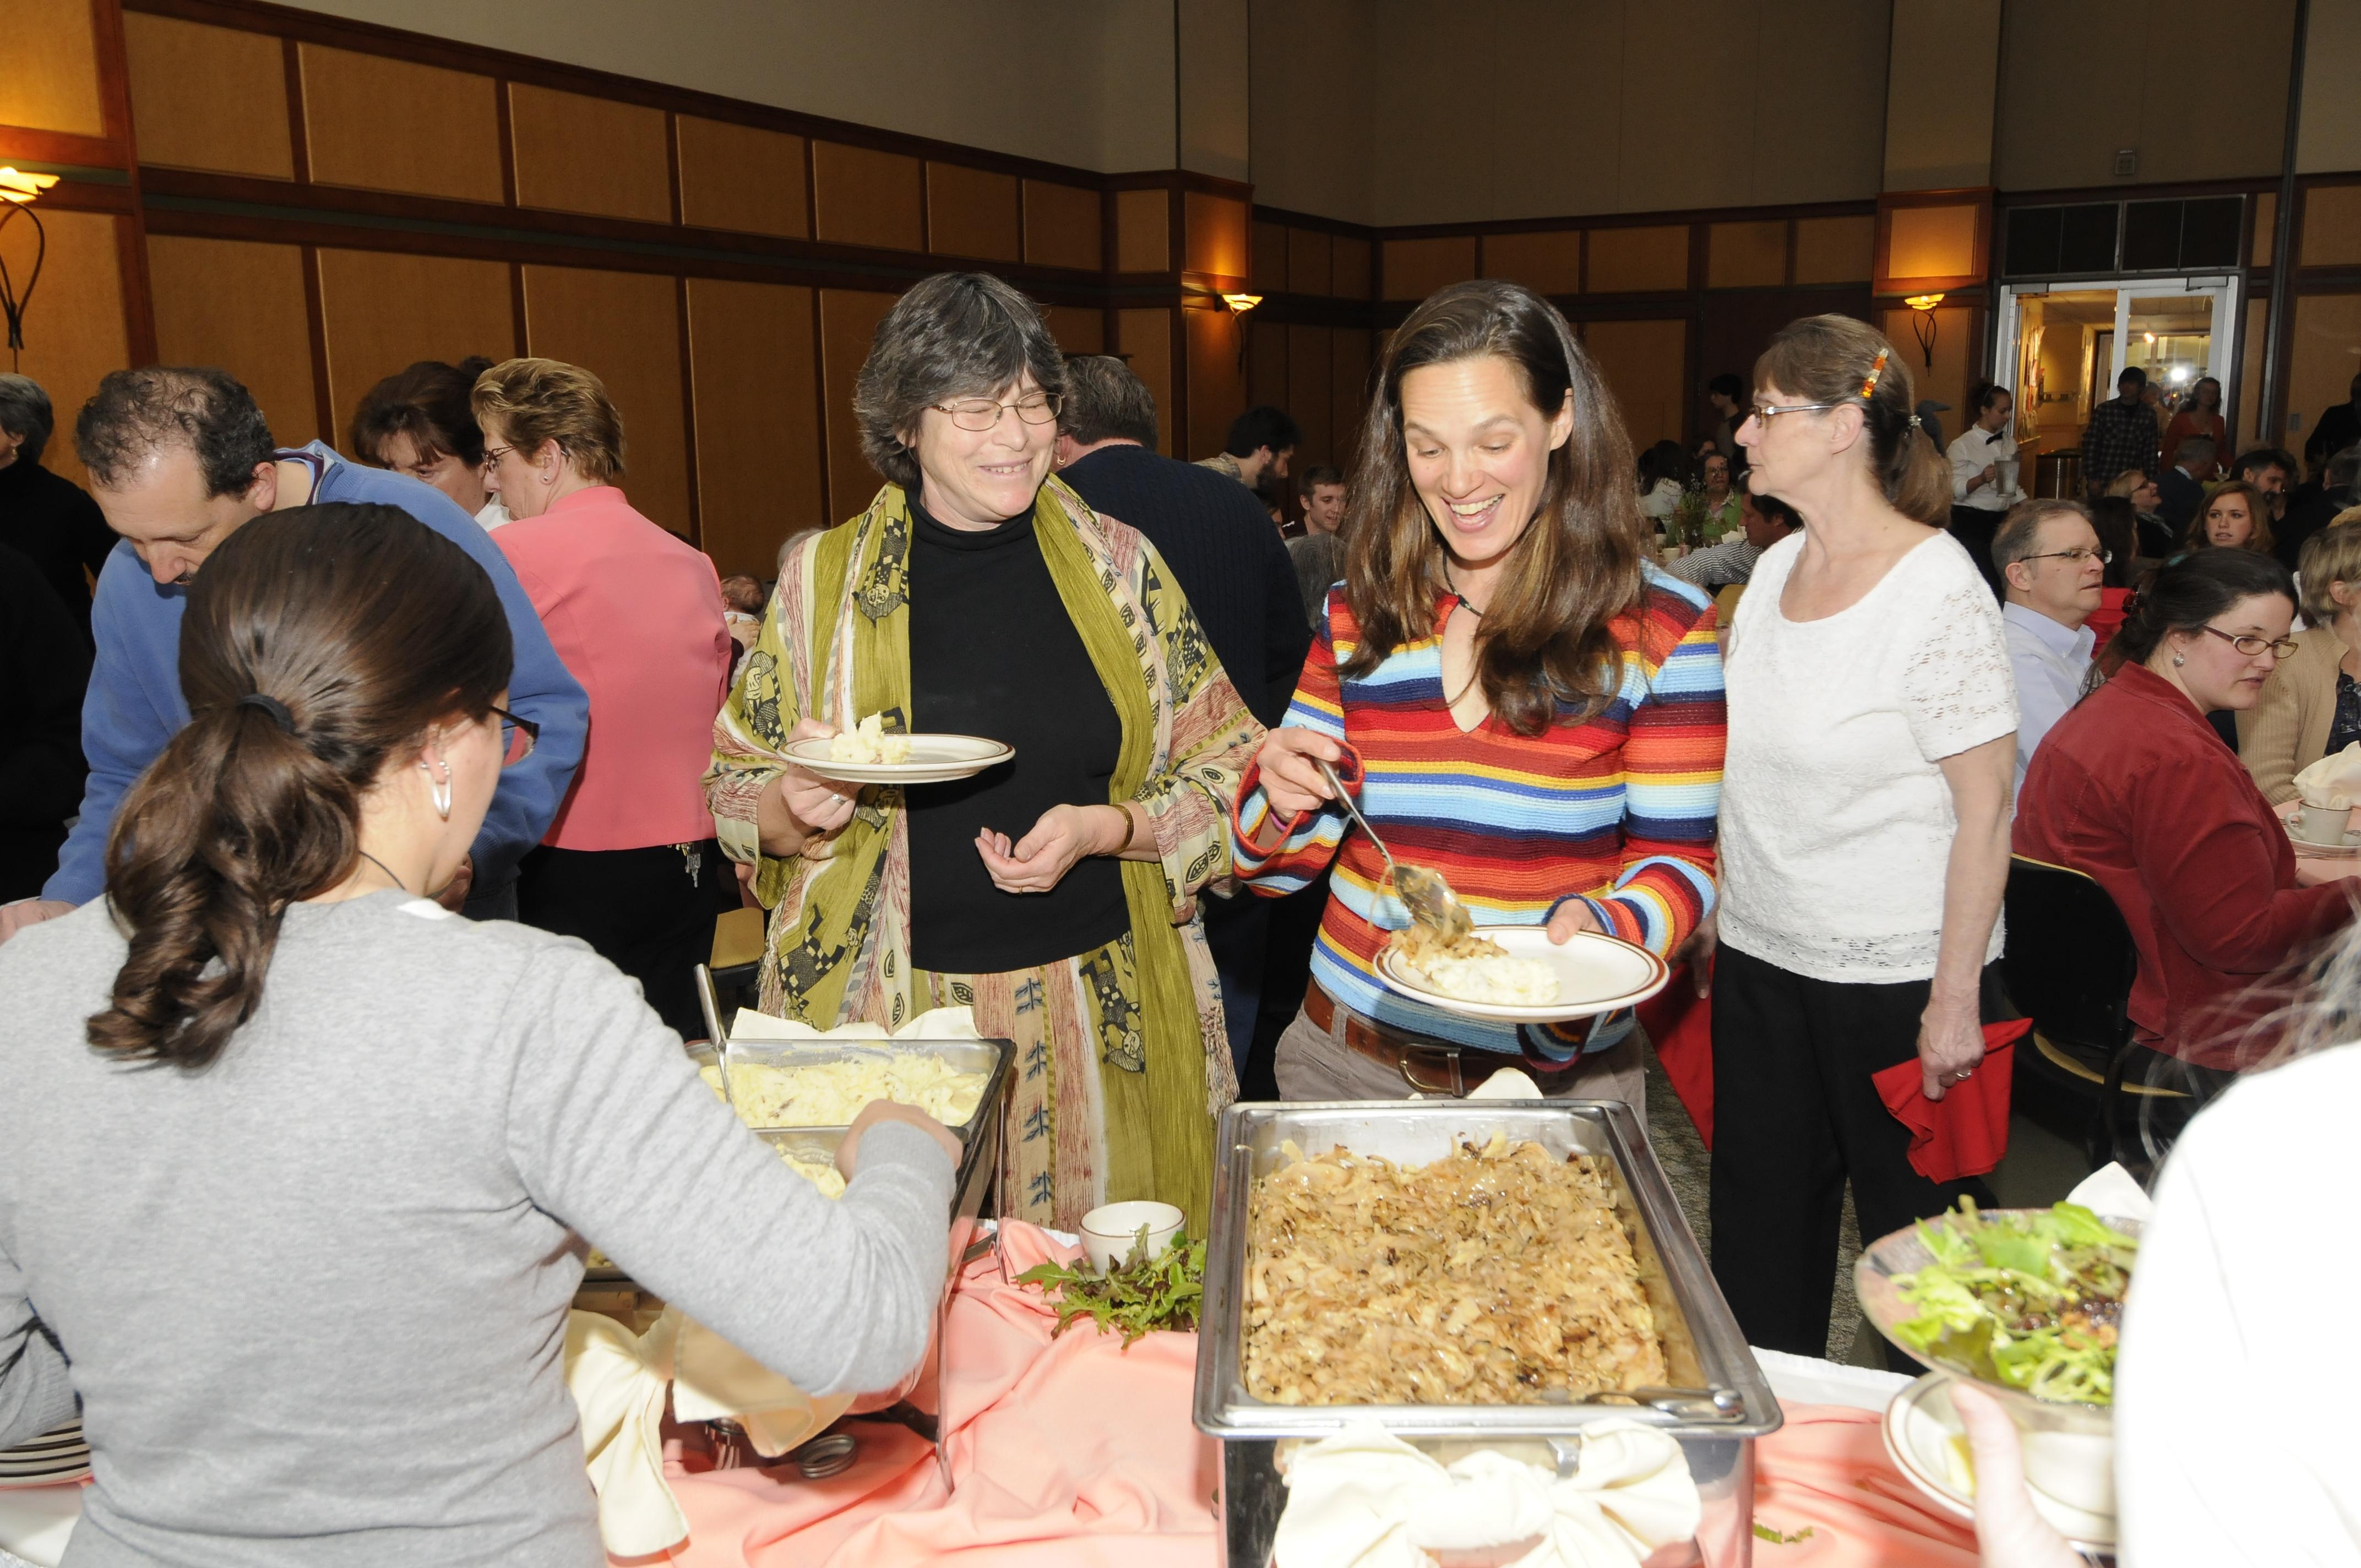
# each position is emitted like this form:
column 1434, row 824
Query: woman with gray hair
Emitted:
column 1054, row 893
column 47, row 517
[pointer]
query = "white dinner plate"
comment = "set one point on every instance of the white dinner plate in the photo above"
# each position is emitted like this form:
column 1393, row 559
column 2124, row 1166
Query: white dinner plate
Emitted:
column 1918, row 1428
column 1596, row 973
column 933, row 759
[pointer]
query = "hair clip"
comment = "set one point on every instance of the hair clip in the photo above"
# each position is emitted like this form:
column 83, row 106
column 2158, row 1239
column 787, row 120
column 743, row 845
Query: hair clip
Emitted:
column 1876, row 369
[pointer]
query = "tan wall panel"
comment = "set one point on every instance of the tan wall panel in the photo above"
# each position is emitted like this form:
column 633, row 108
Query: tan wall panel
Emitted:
column 1217, row 378
column 1630, row 260
column 1062, row 227
column 50, row 81
column 2331, row 227
column 971, row 213
column 1348, row 374
column 579, row 154
column 73, row 329
column 1957, row 344
column 1417, row 268
column 1078, row 328
column 1940, row 84
column 741, row 179
column 623, row 328
column 385, row 310
column 208, row 97
column 1547, row 263
column 848, row 319
column 756, row 393
column 1143, row 231
column 1932, row 242
column 390, row 125
column 1267, row 270
column 1835, row 250
column 1308, row 262
column 1216, row 233
column 1144, row 340
column 1746, row 256
column 2320, row 368
column 1351, row 264
column 865, row 197
column 1645, row 367
column 1310, row 352
column 238, row 304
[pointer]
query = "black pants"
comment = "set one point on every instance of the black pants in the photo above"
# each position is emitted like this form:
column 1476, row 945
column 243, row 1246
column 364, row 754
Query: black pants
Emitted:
column 1974, row 528
column 1237, row 932
column 1794, row 1114
column 641, row 910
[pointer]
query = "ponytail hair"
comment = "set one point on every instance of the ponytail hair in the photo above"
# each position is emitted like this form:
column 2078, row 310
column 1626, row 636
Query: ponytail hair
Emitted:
column 2187, row 595
column 319, row 645
column 1836, row 359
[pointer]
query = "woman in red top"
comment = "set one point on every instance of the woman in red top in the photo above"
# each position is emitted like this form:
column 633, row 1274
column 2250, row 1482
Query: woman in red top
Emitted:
column 2134, row 787
column 631, row 865
column 2201, row 415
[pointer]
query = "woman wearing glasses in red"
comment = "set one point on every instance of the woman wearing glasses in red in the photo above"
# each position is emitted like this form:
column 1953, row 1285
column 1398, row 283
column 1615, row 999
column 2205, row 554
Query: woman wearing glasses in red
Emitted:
column 2134, row 787
column 631, row 865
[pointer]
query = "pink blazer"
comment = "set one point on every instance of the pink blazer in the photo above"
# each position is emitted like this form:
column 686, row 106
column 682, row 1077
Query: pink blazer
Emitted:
column 636, row 614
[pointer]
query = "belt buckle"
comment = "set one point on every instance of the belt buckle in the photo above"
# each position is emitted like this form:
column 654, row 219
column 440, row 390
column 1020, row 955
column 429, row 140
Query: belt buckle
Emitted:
column 1456, row 1089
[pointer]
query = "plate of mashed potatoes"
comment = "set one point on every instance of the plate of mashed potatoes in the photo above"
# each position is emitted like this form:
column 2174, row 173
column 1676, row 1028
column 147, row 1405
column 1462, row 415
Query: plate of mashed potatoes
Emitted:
column 1515, row 974
column 868, row 753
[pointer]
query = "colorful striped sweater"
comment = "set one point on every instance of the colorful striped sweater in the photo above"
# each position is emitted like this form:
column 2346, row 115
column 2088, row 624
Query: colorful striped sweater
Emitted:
column 1619, row 811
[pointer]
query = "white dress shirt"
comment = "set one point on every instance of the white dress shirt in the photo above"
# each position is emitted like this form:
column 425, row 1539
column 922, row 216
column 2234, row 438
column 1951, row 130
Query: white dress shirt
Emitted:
column 494, row 515
column 1970, row 454
column 2050, row 661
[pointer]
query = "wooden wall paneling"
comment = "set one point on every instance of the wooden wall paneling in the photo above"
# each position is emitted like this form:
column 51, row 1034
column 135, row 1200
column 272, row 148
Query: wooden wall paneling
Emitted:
column 2247, row 395
column 1549, row 262
column 383, row 124
column 972, row 212
column 624, row 328
column 1747, row 255
column 1348, row 377
column 210, row 98
column 1932, row 242
column 1310, row 262
column 1143, row 228
column 740, row 178
column 1266, row 362
column 1215, row 386
column 1958, row 346
column 1835, row 250
column 1309, row 350
column 51, row 81
column 2320, row 357
column 866, row 197
column 239, row 305
column 1417, row 268
column 1215, row 230
column 1644, row 364
column 848, row 319
column 758, row 425
column 74, row 327
column 2329, row 235
column 1078, row 329
column 2267, row 214
column 1062, row 225
column 1144, row 337
column 1632, row 260
column 384, row 311
column 1349, row 264
column 579, row 154
column 1267, row 268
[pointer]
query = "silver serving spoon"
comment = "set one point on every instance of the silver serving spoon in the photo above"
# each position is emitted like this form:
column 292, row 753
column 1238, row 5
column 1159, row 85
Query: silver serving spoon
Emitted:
column 1424, row 892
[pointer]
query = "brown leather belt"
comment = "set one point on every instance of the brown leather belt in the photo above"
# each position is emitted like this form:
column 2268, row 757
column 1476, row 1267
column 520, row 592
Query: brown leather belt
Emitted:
column 1459, row 1068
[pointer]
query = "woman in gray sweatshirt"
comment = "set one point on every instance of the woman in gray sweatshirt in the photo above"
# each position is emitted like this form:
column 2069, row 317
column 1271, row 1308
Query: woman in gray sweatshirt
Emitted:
column 296, row 1167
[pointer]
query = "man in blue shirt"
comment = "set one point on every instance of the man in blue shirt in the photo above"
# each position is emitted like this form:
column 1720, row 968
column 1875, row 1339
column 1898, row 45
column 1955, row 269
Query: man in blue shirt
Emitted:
column 180, row 459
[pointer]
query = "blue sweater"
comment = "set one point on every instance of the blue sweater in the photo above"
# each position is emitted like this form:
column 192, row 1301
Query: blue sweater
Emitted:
column 135, row 705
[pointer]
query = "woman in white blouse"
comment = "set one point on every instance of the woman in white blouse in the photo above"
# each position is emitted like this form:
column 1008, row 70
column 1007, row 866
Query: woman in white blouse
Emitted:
column 1864, row 827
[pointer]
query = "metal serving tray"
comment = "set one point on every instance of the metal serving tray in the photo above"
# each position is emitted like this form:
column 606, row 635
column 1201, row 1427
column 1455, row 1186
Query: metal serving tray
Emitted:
column 991, row 1058
column 1717, row 1388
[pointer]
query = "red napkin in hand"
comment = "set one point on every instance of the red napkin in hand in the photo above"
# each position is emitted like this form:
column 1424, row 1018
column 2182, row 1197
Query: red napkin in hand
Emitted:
column 1965, row 1133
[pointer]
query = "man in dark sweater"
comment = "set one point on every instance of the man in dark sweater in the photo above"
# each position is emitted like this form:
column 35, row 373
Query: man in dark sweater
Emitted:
column 44, row 515
column 1227, row 558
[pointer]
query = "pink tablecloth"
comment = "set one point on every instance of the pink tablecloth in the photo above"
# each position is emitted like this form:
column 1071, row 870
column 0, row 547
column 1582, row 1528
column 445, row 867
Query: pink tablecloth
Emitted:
column 1077, row 1452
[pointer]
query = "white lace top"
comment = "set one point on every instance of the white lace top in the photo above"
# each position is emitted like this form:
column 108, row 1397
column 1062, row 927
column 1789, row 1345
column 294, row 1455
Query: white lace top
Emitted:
column 1836, row 820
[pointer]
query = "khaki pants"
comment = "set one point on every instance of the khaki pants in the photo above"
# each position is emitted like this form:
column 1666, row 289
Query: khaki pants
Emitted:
column 1316, row 1064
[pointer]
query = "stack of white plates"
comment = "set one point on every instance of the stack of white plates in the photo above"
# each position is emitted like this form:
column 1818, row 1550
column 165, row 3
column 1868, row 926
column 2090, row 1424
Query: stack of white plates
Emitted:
column 47, row 1461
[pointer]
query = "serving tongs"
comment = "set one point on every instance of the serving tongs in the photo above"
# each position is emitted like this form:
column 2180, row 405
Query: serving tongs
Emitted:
column 707, row 1000
column 1424, row 892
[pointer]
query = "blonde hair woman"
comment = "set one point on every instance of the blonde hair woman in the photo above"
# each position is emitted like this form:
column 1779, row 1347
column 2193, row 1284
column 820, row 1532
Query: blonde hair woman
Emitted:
column 2311, row 703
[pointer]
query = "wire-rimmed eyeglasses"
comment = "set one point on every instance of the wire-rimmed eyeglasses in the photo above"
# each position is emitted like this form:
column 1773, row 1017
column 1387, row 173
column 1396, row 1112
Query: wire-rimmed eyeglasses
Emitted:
column 983, row 413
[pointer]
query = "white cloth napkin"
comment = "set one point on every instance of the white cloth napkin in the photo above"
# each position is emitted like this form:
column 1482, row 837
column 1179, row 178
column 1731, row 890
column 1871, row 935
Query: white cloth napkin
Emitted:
column 749, row 1027
column 714, row 1380
column 1365, row 1499
column 2111, row 1191
column 2335, row 780
column 618, row 1380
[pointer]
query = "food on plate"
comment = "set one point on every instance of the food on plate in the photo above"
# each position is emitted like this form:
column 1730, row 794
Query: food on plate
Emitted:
column 868, row 742
column 2030, row 1300
column 830, row 1093
column 1472, row 967
column 1493, row 1276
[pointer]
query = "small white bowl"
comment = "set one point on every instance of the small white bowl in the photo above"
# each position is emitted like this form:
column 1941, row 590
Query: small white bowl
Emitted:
column 1111, row 1233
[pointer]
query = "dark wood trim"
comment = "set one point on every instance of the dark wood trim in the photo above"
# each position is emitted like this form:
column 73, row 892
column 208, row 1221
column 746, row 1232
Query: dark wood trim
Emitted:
column 315, row 315
column 138, row 299
column 22, row 143
column 114, row 74
column 82, row 196
column 2167, row 191
column 1176, row 179
column 1787, row 277
column 688, row 401
column 299, row 136
column 1183, row 438
column 671, row 166
column 505, row 117
column 819, row 404
column 1667, row 219
column 1293, row 219
column 524, row 331
column 130, row 228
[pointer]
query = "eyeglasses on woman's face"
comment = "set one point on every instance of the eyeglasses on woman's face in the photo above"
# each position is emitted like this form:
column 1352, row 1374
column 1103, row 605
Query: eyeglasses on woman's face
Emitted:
column 2253, row 646
column 517, row 736
column 1763, row 413
column 983, row 413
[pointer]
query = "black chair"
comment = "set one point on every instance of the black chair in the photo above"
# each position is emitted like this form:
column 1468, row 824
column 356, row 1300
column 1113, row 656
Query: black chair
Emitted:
column 2069, row 962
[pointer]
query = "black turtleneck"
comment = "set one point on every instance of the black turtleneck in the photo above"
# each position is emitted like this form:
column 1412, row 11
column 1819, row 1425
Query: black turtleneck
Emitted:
column 994, row 653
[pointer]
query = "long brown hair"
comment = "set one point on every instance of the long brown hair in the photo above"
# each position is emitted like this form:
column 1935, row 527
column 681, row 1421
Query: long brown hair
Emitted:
column 317, row 643
column 2259, row 509
column 1548, row 653
column 1836, row 359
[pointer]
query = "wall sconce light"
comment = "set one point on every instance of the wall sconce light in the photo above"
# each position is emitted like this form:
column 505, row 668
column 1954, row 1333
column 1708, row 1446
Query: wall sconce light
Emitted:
column 19, row 189
column 1923, row 325
column 1241, row 304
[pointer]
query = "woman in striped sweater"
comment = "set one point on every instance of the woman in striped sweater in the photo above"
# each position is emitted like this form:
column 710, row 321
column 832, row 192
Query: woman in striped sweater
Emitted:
column 1537, row 710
